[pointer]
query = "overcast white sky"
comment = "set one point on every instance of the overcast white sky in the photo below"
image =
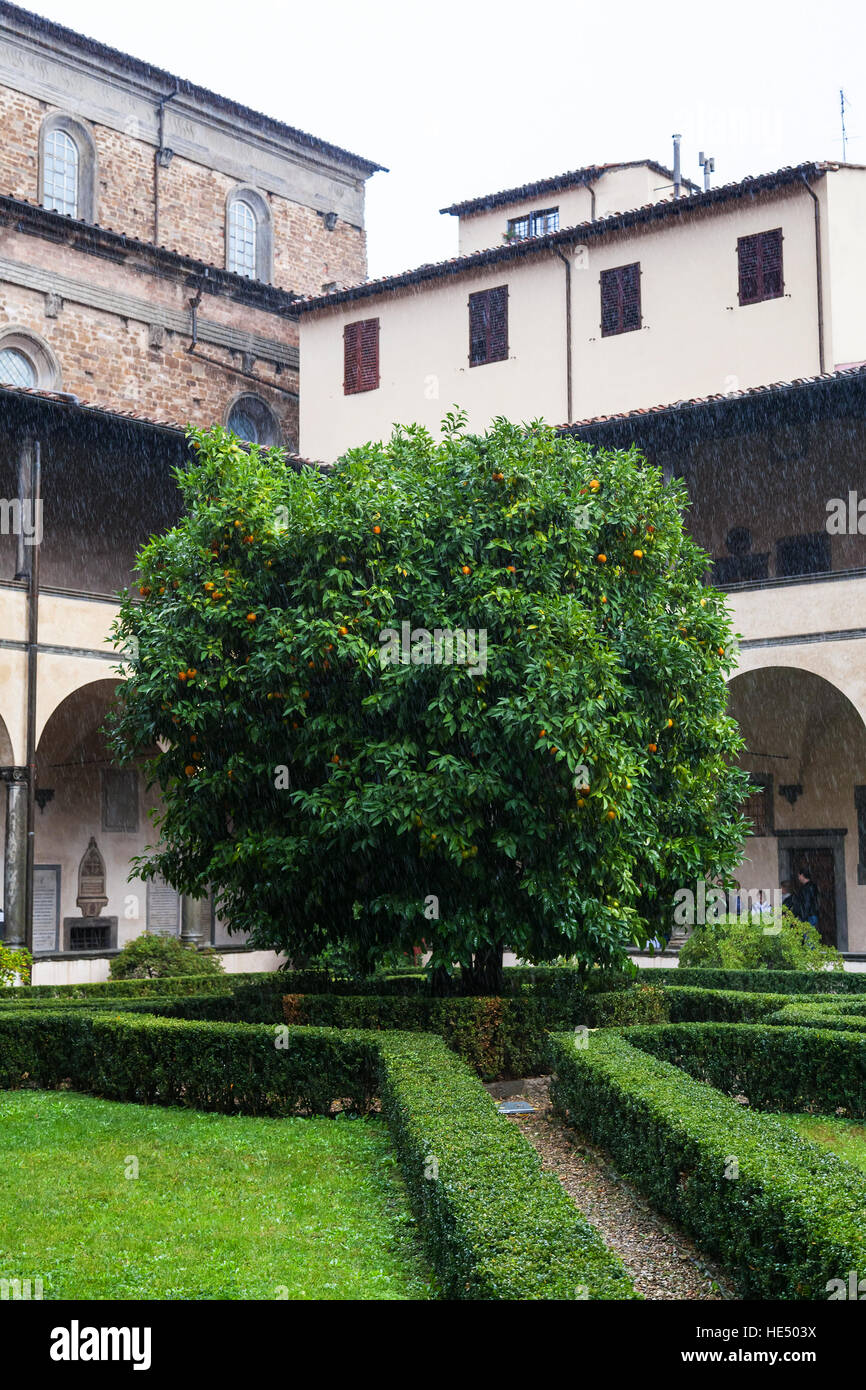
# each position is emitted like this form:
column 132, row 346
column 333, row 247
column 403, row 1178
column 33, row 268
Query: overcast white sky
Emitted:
column 462, row 97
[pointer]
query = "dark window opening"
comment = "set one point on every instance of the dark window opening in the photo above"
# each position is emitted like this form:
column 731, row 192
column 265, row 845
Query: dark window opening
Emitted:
column 361, row 356
column 759, row 260
column 90, row 937
column 809, row 554
column 620, row 299
column 488, row 326
column 758, row 806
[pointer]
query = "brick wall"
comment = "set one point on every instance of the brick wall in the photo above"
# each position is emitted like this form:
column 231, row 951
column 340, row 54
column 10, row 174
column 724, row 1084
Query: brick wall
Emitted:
column 192, row 202
column 105, row 357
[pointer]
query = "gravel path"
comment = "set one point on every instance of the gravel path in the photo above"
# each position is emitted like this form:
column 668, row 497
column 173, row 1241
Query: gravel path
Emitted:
column 662, row 1261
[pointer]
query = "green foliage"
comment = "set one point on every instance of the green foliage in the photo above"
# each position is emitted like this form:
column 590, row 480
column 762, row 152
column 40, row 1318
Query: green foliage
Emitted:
column 792, row 1217
column 839, row 1017
column 330, row 798
column 496, row 1037
column 153, row 957
column 643, row 1004
column 495, row 1225
column 762, row 981
column 776, row 1068
column 753, row 943
column 14, row 965
column 691, row 1004
column 135, row 989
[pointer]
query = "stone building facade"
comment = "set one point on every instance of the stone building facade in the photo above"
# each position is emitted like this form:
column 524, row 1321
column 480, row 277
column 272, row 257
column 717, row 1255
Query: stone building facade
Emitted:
column 154, row 238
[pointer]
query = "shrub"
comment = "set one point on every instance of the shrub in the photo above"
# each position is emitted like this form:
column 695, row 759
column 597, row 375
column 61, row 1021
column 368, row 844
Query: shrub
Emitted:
column 808, row 1015
column 644, row 1004
column 748, row 942
column 776, row 1068
column 783, row 1215
column 495, row 1225
column 687, row 1004
column 150, row 957
column 14, row 965
column 765, row 981
column 497, row 1037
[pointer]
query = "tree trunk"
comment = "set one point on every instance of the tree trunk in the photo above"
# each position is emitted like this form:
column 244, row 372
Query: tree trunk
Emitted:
column 486, row 975
column 441, row 984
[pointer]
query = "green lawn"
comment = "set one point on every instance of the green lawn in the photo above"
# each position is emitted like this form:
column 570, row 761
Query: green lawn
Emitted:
column 223, row 1206
column 847, row 1138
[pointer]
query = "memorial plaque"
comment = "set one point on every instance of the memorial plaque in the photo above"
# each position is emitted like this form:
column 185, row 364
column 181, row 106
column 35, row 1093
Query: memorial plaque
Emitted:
column 46, row 908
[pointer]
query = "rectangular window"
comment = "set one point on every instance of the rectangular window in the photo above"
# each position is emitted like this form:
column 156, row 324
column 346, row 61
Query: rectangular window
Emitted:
column 758, row 806
column 808, row 554
column 119, row 799
column 90, row 936
column 361, row 356
column 759, row 259
column 488, row 326
column 620, row 299
column 533, row 224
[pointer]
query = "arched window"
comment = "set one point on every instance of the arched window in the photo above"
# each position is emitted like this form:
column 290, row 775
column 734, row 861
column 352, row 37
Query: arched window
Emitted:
column 67, row 167
column 16, row 369
column 248, row 234
column 27, row 360
column 253, row 421
column 242, row 238
column 60, row 173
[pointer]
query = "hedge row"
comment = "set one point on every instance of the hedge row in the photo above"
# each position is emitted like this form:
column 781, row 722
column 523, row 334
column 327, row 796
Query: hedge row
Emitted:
column 802, row 1015
column 495, row 1225
column 497, row 1037
column 687, row 1004
column 783, row 1215
column 775, row 1067
column 764, row 981
column 134, row 989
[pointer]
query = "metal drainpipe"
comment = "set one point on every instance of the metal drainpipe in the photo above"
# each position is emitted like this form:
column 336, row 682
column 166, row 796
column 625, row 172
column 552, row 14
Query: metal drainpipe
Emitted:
column 32, row 658
column 818, row 271
column 161, row 105
column 568, row 384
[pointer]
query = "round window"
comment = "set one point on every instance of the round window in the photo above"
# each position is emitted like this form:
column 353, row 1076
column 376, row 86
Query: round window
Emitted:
column 16, row 369
column 253, row 421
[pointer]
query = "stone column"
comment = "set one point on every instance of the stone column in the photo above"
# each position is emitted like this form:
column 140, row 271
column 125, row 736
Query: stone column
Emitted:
column 192, row 931
column 15, row 870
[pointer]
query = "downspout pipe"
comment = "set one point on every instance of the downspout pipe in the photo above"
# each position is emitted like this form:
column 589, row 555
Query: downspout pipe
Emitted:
column 32, row 660
column 819, row 274
column 161, row 105
column 568, row 371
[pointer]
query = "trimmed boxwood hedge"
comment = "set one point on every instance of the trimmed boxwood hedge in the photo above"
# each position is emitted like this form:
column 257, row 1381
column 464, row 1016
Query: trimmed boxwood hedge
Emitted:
column 791, row 1219
column 802, row 1015
column 495, row 1225
column 777, row 1068
column 764, row 981
column 694, row 1005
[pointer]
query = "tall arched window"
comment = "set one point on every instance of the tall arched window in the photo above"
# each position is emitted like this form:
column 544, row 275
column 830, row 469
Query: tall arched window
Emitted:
column 248, row 234
column 242, row 238
column 60, row 173
column 67, row 167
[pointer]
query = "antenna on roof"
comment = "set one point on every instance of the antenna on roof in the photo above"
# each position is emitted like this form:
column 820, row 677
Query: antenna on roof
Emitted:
column 844, row 133
column 708, row 164
column 677, row 174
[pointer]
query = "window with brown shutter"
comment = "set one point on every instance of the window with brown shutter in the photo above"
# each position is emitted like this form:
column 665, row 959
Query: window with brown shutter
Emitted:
column 759, row 260
column 488, row 326
column 620, row 299
column 361, row 356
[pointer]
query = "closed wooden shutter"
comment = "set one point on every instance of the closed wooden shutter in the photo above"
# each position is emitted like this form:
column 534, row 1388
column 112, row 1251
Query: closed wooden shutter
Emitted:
column 620, row 299
column 351, row 335
column 361, row 356
column 747, row 254
column 488, row 326
column 771, row 263
column 760, row 266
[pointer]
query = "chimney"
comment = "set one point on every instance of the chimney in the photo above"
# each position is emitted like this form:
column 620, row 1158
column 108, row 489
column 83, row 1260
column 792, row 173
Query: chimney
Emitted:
column 677, row 175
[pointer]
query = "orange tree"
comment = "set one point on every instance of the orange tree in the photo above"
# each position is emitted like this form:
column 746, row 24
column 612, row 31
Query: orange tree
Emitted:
column 334, row 790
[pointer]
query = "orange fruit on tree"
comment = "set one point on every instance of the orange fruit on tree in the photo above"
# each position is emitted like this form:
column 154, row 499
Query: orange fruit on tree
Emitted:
column 653, row 747
column 638, row 554
column 343, row 631
column 251, row 617
column 464, row 569
column 602, row 559
column 377, row 530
